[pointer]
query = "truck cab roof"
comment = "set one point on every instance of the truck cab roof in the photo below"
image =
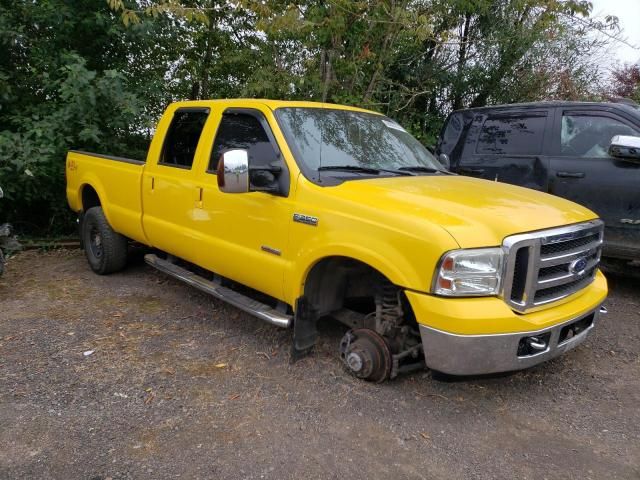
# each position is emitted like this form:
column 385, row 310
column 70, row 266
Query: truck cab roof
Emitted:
column 271, row 104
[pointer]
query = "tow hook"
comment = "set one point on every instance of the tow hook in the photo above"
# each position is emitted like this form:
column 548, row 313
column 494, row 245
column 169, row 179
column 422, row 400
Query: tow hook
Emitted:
column 536, row 343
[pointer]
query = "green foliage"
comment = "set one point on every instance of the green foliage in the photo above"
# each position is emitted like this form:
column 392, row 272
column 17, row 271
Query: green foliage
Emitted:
column 97, row 74
column 131, row 16
column 54, row 98
column 85, row 111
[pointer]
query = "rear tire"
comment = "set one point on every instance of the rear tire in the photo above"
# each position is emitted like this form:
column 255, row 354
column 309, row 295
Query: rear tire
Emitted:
column 106, row 250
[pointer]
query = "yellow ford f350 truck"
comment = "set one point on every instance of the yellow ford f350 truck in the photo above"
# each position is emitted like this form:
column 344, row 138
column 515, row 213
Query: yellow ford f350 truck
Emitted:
column 299, row 211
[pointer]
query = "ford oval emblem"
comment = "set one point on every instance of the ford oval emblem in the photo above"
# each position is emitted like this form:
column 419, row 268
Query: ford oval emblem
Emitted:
column 578, row 266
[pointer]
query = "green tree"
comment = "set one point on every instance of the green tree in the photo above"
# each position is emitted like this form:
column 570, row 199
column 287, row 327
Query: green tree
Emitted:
column 71, row 76
column 96, row 74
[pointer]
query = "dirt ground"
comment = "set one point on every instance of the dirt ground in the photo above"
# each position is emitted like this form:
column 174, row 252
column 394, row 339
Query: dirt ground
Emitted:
column 182, row 386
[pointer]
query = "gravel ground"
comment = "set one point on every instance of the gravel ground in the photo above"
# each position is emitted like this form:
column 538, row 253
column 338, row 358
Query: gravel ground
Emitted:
column 180, row 385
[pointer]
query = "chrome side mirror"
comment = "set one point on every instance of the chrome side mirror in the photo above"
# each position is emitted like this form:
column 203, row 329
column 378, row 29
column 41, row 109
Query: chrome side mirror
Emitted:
column 443, row 158
column 625, row 147
column 233, row 171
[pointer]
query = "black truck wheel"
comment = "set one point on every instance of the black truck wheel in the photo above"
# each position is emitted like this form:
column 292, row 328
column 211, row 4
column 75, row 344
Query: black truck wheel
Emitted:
column 105, row 249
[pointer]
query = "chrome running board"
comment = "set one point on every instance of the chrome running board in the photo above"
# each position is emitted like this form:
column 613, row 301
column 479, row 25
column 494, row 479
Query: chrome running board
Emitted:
column 238, row 300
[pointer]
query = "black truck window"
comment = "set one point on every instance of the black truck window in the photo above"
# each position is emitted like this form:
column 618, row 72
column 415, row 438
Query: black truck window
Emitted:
column 512, row 135
column 242, row 130
column 182, row 137
column 452, row 133
column 589, row 136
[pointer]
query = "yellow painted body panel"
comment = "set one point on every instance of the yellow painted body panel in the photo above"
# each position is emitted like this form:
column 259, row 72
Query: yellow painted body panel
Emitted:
column 400, row 226
column 362, row 227
column 477, row 213
column 170, row 198
column 491, row 315
column 232, row 229
column 117, row 185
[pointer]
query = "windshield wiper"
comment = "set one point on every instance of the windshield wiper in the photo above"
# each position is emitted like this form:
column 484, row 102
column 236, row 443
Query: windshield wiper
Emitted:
column 371, row 170
column 422, row 169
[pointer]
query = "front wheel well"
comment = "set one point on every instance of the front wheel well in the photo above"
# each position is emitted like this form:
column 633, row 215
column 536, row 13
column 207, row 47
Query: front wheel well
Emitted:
column 342, row 282
column 377, row 312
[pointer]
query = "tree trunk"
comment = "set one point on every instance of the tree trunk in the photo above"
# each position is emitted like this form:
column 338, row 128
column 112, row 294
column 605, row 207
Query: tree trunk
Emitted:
column 380, row 64
column 391, row 34
column 208, row 54
column 195, row 91
column 510, row 55
column 462, row 58
column 326, row 73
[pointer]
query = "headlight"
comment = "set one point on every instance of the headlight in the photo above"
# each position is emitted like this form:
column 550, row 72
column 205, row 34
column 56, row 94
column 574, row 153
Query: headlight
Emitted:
column 470, row 272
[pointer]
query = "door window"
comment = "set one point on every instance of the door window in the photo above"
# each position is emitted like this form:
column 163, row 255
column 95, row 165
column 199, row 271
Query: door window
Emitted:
column 452, row 133
column 182, row 138
column 244, row 131
column 589, row 136
column 512, row 135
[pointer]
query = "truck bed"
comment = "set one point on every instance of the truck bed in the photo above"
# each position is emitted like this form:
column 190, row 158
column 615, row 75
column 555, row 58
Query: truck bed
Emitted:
column 117, row 183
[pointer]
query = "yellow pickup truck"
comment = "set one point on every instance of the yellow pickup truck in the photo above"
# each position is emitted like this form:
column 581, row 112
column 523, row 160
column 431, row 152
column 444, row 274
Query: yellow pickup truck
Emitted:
column 299, row 211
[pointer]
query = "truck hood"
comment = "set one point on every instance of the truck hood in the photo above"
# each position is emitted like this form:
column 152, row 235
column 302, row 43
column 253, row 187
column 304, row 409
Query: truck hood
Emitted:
column 477, row 213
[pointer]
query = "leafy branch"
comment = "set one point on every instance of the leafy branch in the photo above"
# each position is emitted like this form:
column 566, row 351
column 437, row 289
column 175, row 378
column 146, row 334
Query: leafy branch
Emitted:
column 131, row 16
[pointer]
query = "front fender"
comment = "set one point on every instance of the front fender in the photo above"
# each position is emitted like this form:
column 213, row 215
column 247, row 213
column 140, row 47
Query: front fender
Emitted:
column 398, row 261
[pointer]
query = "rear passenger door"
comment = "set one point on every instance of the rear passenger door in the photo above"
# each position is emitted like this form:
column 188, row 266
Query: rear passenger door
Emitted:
column 507, row 146
column 583, row 171
column 170, row 193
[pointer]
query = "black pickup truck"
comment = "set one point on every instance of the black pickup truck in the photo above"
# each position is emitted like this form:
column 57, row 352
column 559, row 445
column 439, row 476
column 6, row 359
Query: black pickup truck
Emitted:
column 586, row 152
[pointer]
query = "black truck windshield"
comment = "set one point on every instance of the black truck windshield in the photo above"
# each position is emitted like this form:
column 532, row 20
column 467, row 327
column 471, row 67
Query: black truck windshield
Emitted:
column 345, row 142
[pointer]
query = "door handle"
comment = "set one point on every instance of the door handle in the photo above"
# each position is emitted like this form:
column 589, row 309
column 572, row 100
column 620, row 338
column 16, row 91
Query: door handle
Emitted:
column 477, row 171
column 199, row 199
column 570, row 174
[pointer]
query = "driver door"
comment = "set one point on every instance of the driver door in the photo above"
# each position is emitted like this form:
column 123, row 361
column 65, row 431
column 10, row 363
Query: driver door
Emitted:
column 245, row 235
column 581, row 170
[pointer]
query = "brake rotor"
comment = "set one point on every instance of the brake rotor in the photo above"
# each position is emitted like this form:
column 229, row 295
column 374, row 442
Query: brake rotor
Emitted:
column 366, row 355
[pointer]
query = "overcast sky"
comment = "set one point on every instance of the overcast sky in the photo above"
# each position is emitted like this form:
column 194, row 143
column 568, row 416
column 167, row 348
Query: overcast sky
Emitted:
column 628, row 11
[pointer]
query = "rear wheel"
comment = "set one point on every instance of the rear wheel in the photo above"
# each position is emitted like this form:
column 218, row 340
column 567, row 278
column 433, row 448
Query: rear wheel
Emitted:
column 106, row 250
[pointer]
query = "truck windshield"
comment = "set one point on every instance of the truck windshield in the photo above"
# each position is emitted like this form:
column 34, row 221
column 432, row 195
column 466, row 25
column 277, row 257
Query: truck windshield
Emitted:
column 345, row 142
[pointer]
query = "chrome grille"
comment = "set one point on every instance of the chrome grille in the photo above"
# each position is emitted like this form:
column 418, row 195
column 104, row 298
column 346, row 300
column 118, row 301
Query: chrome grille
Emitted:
column 546, row 266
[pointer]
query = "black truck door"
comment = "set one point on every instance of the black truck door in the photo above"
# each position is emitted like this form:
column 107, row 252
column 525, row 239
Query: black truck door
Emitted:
column 582, row 171
column 507, row 146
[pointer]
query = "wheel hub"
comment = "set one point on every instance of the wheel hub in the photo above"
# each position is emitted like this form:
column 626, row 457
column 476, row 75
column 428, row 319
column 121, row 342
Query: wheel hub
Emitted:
column 95, row 242
column 354, row 362
column 366, row 355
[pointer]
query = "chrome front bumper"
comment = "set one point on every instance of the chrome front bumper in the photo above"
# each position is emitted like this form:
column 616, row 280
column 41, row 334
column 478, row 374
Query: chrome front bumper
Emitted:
column 479, row 354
